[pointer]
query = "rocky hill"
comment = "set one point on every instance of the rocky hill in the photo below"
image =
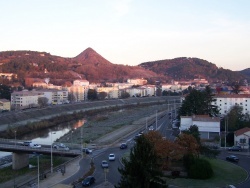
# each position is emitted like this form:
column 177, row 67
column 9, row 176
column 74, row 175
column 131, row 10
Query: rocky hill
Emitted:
column 33, row 66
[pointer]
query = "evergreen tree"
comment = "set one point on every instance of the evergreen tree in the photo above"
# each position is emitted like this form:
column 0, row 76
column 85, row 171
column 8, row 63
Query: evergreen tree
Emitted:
column 199, row 102
column 141, row 170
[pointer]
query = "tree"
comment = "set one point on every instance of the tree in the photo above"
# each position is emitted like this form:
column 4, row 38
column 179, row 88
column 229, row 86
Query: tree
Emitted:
column 141, row 170
column 125, row 95
column 194, row 131
column 71, row 97
column 43, row 101
column 165, row 149
column 236, row 88
column 188, row 144
column 210, row 109
column 102, row 95
column 198, row 102
column 92, row 94
column 5, row 92
column 234, row 118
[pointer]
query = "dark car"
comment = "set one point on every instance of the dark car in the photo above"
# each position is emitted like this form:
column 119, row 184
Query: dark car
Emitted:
column 88, row 181
column 87, row 150
column 235, row 148
column 232, row 158
column 123, row 146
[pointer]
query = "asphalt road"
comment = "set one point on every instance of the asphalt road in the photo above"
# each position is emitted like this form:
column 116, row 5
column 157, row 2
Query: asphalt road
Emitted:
column 244, row 160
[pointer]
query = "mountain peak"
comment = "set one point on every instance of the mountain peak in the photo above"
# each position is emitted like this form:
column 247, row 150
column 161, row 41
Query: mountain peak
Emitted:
column 91, row 56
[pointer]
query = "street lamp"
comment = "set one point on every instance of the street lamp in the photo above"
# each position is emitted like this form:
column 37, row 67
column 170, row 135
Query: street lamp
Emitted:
column 38, row 170
column 156, row 121
column 51, row 152
column 15, row 138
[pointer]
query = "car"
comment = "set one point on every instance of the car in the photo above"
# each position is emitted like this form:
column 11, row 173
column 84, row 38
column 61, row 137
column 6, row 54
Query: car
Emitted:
column 232, row 158
column 88, row 181
column 61, row 146
column 105, row 164
column 111, row 157
column 151, row 128
column 35, row 145
column 235, row 148
column 138, row 135
column 123, row 146
column 26, row 143
column 87, row 150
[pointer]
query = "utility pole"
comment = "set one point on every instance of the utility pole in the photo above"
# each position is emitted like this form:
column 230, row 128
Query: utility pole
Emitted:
column 156, row 121
column 225, row 132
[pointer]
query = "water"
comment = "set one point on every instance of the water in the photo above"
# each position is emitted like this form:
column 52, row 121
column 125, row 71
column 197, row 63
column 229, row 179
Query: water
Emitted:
column 48, row 136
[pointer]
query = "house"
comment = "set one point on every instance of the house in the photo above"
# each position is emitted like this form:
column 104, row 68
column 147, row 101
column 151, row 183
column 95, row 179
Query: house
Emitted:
column 209, row 127
column 4, row 105
column 242, row 137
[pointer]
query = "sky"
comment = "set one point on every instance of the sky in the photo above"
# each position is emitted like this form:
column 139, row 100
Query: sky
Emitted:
column 131, row 32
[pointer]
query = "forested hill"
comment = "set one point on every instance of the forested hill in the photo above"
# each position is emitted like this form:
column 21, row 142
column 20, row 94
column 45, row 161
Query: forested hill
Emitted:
column 190, row 68
column 31, row 66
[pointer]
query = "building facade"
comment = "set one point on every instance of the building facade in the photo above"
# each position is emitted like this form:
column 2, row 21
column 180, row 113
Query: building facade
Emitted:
column 227, row 101
column 209, row 127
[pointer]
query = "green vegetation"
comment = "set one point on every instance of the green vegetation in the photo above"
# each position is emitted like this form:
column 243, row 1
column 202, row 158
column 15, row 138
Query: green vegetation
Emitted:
column 8, row 173
column 224, row 173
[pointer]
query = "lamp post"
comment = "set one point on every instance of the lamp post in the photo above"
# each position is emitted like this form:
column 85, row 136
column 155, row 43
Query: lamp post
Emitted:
column 51, row 152
column 38, row 172
column 81, row 142
column 156, row 121
column 15, row 138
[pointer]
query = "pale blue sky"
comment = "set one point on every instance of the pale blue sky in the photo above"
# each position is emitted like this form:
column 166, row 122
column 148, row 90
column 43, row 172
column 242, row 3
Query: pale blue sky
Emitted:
column 130, row 32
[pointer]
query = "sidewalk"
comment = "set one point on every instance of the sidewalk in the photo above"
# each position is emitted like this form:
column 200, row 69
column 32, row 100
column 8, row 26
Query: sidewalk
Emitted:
column 57, row 177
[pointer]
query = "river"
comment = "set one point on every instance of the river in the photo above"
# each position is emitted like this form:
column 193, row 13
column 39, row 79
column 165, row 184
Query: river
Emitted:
column 48, row 136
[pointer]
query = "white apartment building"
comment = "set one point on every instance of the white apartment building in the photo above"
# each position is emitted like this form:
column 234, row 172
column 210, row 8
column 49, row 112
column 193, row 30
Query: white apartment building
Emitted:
column 137, row 81
column 55, row 96
column 209, row 127
column 25, row 99
column 4, row 105
column 136, row 92
column 112, row 92
column 227, row 101
column 81, row 83
column 80, row 92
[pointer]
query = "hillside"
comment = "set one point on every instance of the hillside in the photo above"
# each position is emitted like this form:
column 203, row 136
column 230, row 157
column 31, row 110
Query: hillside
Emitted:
column 190, row 68
column 31, row 66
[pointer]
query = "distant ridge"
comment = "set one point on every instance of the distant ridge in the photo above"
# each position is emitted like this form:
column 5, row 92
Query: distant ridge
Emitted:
column 30, row 67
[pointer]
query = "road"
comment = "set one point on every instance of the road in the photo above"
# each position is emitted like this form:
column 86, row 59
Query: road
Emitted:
column 244, row 159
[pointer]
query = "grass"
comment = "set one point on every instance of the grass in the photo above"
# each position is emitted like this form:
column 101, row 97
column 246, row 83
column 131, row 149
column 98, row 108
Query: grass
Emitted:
column 225, row 173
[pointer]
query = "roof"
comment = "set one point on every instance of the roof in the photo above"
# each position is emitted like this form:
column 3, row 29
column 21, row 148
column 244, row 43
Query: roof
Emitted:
column 203, row 118
column 241, row 131
column 232, row 96
column 4, row 100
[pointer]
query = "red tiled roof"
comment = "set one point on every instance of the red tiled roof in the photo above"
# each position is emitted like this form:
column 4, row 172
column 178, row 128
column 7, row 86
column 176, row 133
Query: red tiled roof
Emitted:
column 241, row 131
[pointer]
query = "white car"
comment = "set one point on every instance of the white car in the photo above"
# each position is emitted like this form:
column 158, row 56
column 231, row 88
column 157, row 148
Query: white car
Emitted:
column 105, row 164
column 111, row 157
column 61, row 146
column 151, row 128
column 35, row 145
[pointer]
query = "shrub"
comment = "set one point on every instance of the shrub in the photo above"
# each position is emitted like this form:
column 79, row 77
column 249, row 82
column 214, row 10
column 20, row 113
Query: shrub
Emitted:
column 200, row 169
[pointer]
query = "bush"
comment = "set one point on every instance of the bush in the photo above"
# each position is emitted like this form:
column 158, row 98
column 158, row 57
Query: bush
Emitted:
column 188, row 160
column 200, row 169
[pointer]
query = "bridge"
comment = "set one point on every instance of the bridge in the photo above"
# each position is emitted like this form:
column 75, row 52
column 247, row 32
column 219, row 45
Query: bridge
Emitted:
column 20, row 153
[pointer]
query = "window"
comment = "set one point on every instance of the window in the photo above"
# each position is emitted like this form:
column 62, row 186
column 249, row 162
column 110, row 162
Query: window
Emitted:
column 242, row 140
